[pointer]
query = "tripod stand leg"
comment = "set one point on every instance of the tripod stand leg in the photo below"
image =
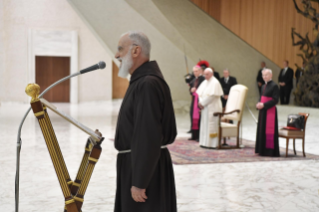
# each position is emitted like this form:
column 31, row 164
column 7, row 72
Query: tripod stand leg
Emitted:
column 57, row 148
column 79, row 177
column 93, row 159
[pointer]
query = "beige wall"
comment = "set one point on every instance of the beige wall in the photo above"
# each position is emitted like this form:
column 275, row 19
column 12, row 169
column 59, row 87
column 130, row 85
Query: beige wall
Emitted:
column 215, row 43
column 111, row 18
column 2, row 55
column 20, row 16
column 172, row 26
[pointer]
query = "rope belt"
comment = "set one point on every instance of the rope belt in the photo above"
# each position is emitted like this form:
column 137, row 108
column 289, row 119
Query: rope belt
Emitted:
column 127, row 151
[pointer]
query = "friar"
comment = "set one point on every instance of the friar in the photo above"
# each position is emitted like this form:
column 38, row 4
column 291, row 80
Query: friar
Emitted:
column 146, row 125
column 267, row 130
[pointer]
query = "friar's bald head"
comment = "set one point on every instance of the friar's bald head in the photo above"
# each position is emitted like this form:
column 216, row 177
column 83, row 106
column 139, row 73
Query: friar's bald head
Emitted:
column 133, row 50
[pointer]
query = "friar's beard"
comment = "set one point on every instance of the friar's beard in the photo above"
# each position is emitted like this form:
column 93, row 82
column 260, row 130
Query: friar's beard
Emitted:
column 126, row 65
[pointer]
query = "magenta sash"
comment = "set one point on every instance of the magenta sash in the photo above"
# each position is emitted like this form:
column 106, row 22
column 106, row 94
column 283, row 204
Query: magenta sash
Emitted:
column 270, row 123
column 195, row 125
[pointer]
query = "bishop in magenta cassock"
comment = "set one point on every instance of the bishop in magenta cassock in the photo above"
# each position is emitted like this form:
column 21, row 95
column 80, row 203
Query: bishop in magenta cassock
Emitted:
column 267, row 130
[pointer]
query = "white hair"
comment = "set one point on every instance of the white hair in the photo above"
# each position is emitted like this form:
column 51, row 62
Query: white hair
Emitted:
column 140, row 39
column 226, row 69
column 196, row 67
column 209, row 69
column 267, row 69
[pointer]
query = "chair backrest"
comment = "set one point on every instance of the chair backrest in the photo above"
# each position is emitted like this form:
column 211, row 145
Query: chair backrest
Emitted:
column 236, row 100
column 306, row 115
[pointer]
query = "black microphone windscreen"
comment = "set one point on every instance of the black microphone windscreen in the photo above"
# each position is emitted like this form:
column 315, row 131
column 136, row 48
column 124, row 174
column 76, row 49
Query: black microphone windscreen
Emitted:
column 102, row 64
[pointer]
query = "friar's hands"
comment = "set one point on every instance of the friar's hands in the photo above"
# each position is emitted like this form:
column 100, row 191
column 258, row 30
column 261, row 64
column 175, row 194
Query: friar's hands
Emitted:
column 138, row 194
column 260, row 84
column 193, row 89
column 225, row 96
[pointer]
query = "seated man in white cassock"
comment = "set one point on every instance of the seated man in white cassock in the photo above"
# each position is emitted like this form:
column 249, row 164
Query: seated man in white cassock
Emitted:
column 209, row 93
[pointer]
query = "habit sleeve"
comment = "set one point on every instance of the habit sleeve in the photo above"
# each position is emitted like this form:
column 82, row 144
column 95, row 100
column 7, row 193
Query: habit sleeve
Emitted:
column 147, row 135
column 275, row 97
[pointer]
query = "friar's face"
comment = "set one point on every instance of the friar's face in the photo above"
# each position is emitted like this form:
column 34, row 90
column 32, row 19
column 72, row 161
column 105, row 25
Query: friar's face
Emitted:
column 124, row 55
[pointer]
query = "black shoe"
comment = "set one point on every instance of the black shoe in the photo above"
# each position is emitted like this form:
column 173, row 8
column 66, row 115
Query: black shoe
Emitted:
column 189, row 131
column 191, row 139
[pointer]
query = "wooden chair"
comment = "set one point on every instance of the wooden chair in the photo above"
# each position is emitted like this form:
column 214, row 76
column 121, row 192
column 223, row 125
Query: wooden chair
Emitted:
column 295, row 134
column 233, row 111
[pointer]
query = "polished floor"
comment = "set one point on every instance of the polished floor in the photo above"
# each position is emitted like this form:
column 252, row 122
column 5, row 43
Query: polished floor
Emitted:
column 234, row 187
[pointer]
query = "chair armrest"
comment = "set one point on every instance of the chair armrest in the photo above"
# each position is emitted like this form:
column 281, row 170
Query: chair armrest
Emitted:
column 222, row 114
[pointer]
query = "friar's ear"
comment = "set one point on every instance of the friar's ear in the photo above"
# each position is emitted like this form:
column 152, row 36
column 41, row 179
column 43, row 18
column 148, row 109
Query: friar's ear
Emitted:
column 136, row 51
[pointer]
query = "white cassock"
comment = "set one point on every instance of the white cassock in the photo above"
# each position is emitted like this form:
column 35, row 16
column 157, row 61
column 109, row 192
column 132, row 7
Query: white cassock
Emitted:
column 209, row 93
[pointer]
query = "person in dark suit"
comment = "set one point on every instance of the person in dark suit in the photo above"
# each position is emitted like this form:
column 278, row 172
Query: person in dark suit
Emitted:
column 260, row 80
column 299, row 72
column 285, row 80
column 194, row 84
column 227, row 82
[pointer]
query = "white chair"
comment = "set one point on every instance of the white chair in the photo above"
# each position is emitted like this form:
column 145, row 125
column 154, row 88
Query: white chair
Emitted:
column 233, row 111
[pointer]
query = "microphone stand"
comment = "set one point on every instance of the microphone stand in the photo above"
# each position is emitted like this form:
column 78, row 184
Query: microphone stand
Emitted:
column 100, row 65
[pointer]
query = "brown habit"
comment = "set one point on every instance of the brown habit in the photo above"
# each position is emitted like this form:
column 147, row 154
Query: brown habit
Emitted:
column 146, row 122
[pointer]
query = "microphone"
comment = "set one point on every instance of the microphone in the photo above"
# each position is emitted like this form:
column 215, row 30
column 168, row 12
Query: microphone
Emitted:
column 100, row 65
